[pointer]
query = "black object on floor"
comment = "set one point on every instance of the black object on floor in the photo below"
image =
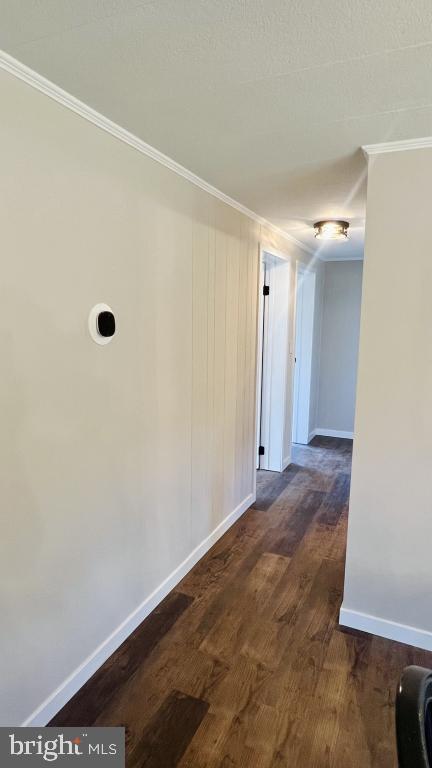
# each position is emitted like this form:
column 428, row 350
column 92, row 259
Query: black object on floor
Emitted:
column 414, row 718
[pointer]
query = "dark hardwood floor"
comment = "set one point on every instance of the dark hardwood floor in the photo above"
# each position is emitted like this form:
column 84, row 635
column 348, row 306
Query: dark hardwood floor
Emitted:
column 244, row 664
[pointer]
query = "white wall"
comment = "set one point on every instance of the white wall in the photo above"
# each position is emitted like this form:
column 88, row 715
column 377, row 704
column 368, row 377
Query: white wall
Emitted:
column 389, row 565
column 339, row 304
column 117, row 461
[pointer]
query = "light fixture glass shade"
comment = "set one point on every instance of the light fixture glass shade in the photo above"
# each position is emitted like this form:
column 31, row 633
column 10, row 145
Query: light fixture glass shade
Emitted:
column 331, row 230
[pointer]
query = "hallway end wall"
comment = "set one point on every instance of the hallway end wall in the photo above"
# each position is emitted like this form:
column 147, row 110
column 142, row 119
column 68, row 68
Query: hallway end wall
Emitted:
column 340, row 318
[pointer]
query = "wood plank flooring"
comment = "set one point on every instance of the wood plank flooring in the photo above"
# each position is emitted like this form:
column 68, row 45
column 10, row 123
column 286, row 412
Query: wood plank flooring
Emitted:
column 244, row 664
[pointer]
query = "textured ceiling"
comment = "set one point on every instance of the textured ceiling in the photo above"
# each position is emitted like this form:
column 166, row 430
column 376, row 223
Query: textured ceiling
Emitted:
column 268, row 100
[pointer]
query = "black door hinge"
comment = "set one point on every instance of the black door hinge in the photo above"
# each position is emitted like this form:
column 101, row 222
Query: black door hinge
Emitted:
column 266, row 290
column 261, row 450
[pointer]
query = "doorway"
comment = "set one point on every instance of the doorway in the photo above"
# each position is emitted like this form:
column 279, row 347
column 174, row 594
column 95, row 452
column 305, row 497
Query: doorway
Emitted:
column 274, row 363
column 304, row 331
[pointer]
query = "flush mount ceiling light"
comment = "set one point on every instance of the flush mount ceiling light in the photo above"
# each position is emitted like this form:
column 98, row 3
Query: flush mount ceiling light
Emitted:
column 331, row 230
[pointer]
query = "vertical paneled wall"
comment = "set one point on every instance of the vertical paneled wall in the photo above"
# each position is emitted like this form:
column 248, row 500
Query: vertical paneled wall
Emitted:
column 224, row 279
column 117, row 461
column 120, row 463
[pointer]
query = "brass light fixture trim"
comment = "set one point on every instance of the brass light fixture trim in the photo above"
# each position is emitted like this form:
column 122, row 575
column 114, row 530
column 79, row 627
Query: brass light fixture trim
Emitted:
column 331, row 229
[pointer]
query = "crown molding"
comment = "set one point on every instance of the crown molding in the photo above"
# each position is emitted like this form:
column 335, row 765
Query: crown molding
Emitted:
column 397, row 146
column 340, row 258
column 42, row 84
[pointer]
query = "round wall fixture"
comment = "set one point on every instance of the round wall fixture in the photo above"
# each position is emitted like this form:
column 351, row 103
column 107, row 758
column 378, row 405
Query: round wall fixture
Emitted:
column 102, row 324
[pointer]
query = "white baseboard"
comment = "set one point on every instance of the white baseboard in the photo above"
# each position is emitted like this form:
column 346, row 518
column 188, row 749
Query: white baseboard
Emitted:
column 58, row 698
column 402, row 633
column 323, row 432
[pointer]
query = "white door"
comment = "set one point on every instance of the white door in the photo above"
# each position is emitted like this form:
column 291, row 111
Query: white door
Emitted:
column 262, row 311
column 273, row 362
column 305, row 307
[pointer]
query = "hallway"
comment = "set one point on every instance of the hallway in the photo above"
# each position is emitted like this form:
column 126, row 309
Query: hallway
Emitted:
column 244, row 664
